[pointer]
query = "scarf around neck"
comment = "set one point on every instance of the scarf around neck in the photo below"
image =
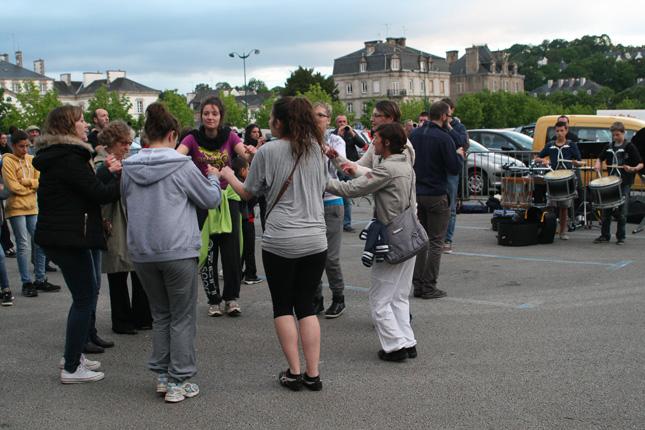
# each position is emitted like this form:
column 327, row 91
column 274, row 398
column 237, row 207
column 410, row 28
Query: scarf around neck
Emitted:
column 209, row 143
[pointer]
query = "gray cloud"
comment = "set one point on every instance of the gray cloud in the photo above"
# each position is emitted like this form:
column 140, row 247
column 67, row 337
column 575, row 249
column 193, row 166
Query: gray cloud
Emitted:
column 171, row 44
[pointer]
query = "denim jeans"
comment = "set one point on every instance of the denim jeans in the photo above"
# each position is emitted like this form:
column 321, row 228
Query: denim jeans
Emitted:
column 78, row 268
column 24, row 227
column 4, row 279
column 347, row 204
column 453, row 185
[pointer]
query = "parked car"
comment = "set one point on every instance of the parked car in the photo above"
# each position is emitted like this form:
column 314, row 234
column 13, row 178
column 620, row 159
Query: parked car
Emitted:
column 517, row 144
column 484, row 170
column 528, row 129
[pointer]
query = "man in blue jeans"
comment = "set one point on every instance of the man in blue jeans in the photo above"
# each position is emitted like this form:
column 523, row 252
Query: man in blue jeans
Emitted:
column 458, row 133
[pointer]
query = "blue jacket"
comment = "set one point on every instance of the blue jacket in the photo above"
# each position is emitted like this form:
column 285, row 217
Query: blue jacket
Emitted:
column 436, row 158
column 568, row 151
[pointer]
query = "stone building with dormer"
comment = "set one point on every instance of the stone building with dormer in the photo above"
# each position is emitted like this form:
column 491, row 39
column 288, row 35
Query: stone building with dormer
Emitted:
column 391, row 70
column 13, row 77
column 482, row 69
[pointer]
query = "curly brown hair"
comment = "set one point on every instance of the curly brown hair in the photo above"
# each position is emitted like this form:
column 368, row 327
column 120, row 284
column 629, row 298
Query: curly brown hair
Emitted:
column 62, row 120
column 298, row 124
column 115, row 132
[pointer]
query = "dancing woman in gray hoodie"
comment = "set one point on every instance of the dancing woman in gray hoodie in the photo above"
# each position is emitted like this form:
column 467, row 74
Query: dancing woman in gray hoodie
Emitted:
column 161, row 189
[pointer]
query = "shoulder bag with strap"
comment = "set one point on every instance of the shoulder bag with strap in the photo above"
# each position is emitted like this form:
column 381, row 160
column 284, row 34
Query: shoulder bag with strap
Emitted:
column 285, row 186
column 405, row 235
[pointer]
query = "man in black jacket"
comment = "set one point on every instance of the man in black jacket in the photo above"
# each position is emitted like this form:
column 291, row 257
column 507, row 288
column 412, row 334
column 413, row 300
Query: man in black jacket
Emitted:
column 436, row 159
column 352, row 142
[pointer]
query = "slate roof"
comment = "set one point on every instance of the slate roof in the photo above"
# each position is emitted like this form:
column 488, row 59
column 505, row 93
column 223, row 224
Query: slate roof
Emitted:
column 568, row 85
column 67, row 90
column 11, row 71
column 122, row 85
column 486, row 58
column 379, row 60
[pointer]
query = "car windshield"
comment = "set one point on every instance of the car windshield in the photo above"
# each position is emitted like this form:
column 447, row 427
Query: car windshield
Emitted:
column 523, row 140
column 477, row 147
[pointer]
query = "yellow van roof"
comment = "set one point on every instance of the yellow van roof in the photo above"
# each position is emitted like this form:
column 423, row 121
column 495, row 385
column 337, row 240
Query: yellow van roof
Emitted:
column 595, row 121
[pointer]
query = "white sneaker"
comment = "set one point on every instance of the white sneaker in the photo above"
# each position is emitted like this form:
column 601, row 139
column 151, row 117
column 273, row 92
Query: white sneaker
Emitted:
column 178, row 392
column 162, row 383
column 89, row 364
column 233, row 308
column 82, row 374
column 216, row 310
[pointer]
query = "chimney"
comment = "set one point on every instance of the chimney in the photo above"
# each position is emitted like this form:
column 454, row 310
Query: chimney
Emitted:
column 583, row 81
column 89, row 77
column 114, row 74
column 66, row 78
column 400, row 41
column 4, row 57
column 452, row 56
column 39, row 66
column 472, row 60
column 549, row 83
column 560, row 83
column 391, row 41
column 370, row 46
column 19, row 58
column 572, row 82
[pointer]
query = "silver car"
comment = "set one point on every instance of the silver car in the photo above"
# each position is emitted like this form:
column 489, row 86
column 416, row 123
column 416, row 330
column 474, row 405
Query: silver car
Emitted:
column 484, row 169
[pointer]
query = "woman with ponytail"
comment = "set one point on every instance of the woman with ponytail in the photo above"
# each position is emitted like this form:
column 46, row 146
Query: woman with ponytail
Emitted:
column 159, row 187
column 290, row 172
column 214, row 143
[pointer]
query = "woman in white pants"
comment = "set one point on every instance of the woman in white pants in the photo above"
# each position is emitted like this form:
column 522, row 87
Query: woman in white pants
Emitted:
column 390, row 182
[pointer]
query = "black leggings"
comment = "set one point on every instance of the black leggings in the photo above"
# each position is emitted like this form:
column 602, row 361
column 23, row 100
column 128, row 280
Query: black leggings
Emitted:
column 293, row 282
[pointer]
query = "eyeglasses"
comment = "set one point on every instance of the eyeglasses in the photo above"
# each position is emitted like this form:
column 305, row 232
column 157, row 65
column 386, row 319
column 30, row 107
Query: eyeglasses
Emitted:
column 322, row 115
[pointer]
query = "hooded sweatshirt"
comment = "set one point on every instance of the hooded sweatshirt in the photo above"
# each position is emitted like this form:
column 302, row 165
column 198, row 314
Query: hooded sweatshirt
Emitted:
column 22, row 180
column 161, row 189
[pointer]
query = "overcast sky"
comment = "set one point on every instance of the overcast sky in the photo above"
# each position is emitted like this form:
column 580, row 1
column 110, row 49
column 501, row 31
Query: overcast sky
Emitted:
column 178, row 44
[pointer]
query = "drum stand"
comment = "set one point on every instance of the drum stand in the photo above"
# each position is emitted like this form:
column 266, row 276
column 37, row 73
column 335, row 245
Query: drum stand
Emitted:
column 586, row 222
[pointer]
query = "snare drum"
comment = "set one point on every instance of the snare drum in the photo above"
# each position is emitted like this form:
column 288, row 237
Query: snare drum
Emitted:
column 516, row 192
column 560, row 185
column 606, row 192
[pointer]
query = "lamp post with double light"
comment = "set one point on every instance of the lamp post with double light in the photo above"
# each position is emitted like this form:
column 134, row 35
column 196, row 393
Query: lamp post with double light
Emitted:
column 246, row 90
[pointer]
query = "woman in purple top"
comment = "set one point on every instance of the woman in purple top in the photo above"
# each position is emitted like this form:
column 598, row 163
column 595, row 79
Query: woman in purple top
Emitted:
column 214, row 143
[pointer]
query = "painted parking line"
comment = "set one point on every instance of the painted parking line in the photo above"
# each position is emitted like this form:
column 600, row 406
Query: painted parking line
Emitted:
column 612, row 266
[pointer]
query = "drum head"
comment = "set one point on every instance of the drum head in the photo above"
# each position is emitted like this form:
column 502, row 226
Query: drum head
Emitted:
column 604, row 181
column 559, row 174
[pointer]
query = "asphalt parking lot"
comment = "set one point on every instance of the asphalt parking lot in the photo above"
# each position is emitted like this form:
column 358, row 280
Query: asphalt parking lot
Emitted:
column 546, row 336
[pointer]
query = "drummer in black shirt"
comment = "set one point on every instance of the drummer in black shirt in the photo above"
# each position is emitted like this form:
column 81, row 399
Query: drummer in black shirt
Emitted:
column 563, row 154
column 624, row 154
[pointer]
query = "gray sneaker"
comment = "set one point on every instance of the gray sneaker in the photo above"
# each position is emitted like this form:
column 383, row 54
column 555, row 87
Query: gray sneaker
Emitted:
column 216, row 310
column 177, row 392
column 233, row 308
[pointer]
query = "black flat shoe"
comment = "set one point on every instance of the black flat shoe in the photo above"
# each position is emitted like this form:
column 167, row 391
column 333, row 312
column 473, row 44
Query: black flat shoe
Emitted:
column 101, row 342
column 396, row 356
column 92, row 348
column 125, row 331
column 313, row 384
column 412, row 351
column 292, row 382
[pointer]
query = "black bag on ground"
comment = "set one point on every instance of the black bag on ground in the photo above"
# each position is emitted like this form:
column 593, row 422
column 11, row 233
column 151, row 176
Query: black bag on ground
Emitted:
column 500, row 215
column 548, row 227
column 512, row 233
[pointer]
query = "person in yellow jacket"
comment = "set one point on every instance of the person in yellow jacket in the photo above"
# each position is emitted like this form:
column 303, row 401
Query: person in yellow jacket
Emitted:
column 21, row 209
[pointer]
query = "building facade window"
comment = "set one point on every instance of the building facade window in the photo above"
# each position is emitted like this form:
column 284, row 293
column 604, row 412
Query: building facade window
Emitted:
column 442, row 87
column 363, row 67
column 423, row 85
column 139, row 106
column 376, row 87
column 364, row 107
column 395, row 88
column 350, row 107
column 364, row 87
column 422, row 66
column 431, row 89
column 396, row 64
column 517, row 87
column 15, row 87
column 411, row 86
column 494, row 86
column 505, row 84
column 43, row 87
column 348, row 88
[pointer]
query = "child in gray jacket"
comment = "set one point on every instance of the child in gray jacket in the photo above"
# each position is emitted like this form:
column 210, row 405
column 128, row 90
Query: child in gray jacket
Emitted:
column 160, row 189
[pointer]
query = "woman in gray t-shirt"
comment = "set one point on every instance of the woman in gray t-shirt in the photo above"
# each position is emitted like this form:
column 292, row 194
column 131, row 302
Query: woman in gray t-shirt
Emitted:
column 290, row 172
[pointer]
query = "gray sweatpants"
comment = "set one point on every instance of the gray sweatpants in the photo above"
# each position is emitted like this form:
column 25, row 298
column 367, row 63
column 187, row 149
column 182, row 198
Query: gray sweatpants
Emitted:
column 171, row 287
column 334, row 221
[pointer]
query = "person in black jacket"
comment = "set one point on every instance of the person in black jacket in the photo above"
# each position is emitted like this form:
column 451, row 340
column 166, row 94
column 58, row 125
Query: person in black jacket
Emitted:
column 437, row 157
column 70, row 228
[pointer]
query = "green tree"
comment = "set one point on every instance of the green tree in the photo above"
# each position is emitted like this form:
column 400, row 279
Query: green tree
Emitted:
column 235, row 112
column 366, row 117
column 118, row 106
column 301, row 79
column 470, row 111
column 263, row 114
column 177, row 105
column 32, row 107
column 410, row 109
column 202, row 88
column 223, row 86
column 257, row 85
column 315, row 93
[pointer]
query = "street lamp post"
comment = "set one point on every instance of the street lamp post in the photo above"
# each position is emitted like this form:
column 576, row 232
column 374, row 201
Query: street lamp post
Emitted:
column 246, row 90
